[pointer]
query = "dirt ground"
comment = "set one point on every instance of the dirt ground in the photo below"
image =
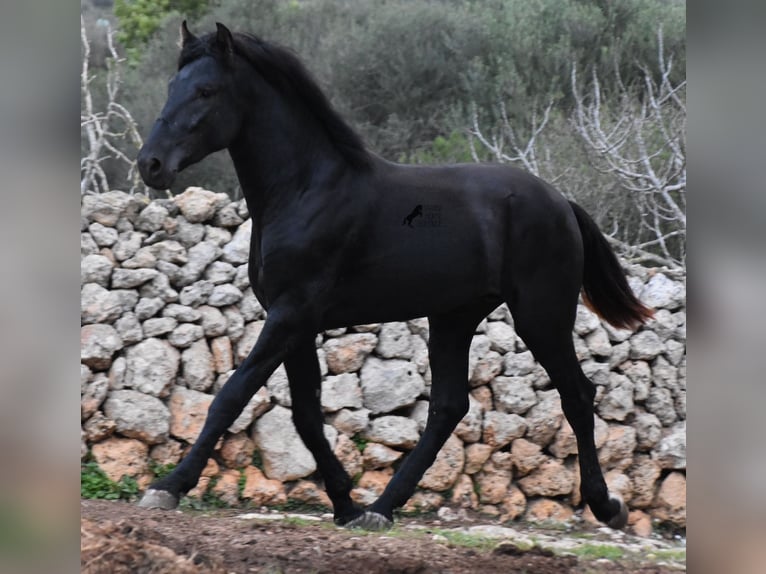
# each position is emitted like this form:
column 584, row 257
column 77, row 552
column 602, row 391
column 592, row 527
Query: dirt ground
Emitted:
column 117, row 537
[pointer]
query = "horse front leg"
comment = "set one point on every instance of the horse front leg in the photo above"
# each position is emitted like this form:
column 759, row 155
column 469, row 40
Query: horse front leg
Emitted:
column 283, row 330
column 305, row 380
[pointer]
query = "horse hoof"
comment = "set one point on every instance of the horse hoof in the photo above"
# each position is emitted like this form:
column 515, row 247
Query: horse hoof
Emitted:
column 158, row 499
column 370, row 521
column 619, row 520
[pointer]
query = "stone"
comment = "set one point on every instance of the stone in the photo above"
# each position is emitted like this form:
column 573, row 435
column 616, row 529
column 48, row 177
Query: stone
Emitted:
column 486, row 368
column 188, row 410
column 98, row 343
column 144, row 258
column 107, row 208
column 640, row 523
column 346, row 354
column 670, row 453
column 620, row 354
column 87, row 245
column 199, row 256
column 648, row 430
column 501, row 428
column 660, row 402
column 670, row 504
column 128, row 243
column 237, row 250
column 117, row 373
column 514, row 505
column 349, row 456
column 389, row 385
column 279, row 387
column 501, row 336
column 549, row 479
column 187, row 233
column 519, row 364
column 376, row 456
column 248, row 340
column 470, row 427
column 103, row 236
column 130, row 278
column 255, row 407
column 419, row 413
column 662, row 292
column 198, row 205
column 475, row 457
column 168, row 452
column 250, row 307
column 341, row 391
column 350, row 421
column 464, row 494
column 494, row 479
column 585, row 321
column 160, row 287
column 237, row 450
column 641, row 376
column 480, row 346
column 544, row 419
column 646, row 345
column 98, row 428
column 94, row 395
column 394, row 431
column 598, row 342
column 617, row 451
column 182, row 313
column 158, row 326
column 565, row 442
column 526, row 456
column 308, row 492
column 85, row 377
column 643, row 474
column 213, row 323
column 375, row 480
column 196, row 294
column 95, row 268
column 184, row 335
column 151, row 217
column 98, row 305
column 447, row 467
column 148, row 307
column 223, row 295
column 235, row 324
column 261, row 490
column 138, row 415
column 197, row 366
column 617, row 403
column 119, row 457
column 223, row 356
column 483, row 395
column 170, row 251
column 227, row 487
column 227, row 216
column 394, row 341
column 216, row 235
column 548, row 511
column 284, row 455
column 513, row 394
column 423, row 502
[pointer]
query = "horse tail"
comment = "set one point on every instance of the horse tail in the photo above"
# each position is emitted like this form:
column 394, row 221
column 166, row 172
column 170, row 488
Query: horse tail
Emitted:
column 605, row 288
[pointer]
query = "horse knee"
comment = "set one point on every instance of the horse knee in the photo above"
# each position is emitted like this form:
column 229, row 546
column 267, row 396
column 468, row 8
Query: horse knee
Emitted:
column 451, row 413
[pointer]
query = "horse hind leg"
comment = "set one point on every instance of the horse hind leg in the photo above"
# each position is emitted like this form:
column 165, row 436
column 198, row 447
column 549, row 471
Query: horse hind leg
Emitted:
column 449, row 341
column 544, row 316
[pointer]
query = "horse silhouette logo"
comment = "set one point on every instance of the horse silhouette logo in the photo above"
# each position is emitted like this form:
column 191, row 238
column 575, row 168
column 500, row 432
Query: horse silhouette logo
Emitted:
column 417, row 212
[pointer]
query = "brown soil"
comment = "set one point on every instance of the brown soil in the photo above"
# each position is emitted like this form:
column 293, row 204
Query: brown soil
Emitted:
column 117, row 537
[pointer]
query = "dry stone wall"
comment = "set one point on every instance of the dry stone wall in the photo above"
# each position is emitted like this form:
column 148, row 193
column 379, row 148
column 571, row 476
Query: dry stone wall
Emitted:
column 167, row 313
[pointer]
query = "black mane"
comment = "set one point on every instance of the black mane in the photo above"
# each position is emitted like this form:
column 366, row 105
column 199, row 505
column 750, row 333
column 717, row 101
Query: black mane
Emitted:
column 283, row 70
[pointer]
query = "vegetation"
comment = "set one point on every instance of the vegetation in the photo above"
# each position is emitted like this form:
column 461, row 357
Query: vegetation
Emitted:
column 95, row 484
column 432, row 81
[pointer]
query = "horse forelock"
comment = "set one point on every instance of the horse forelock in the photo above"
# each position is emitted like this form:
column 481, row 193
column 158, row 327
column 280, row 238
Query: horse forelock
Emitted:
column 284, row 71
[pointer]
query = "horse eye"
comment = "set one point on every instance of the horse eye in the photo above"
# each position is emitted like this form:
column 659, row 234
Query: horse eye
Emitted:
column 206, row 92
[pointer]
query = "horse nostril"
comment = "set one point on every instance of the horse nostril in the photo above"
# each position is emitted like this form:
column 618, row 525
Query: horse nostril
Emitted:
column 155, row 166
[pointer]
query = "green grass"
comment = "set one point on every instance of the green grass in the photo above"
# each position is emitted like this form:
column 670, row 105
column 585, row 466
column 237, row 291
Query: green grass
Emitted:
column 95, row 484
column 359, row 442
column 596, row 551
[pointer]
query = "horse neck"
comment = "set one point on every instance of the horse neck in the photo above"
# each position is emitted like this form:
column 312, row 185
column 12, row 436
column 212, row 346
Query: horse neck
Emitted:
column 280, row 153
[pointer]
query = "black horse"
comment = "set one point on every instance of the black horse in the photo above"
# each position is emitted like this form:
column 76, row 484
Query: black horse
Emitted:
column 328, row 250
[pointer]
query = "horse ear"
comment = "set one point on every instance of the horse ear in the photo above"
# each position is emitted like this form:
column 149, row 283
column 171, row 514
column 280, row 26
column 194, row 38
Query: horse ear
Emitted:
column 186, row 36
column 224, row 39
